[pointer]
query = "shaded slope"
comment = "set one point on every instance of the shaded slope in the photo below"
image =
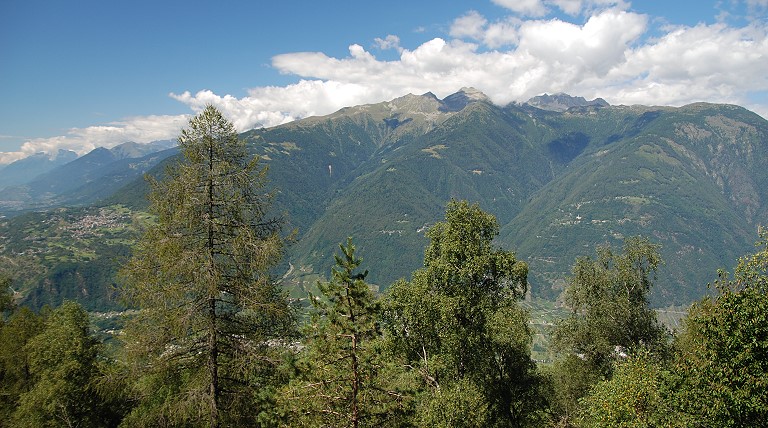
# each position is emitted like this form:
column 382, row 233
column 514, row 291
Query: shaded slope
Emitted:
column 692, row 179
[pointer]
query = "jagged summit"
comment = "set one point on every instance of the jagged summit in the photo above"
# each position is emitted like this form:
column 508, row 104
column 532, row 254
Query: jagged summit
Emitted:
column 465, row 96
column 561, row 102
column 429, row 103
column 411, row 103
column 425, row 106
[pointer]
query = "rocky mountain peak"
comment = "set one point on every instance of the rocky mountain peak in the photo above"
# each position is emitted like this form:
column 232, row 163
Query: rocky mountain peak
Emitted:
column 561, row 102
column 461, row 99
column 411, row 103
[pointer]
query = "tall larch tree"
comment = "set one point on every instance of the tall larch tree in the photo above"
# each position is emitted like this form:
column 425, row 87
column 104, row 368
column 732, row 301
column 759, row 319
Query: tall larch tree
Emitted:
column 208, row 308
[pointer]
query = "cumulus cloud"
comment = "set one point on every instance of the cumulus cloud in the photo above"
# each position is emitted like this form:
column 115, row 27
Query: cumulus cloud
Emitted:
column 610, row 55
column 705, row 62
column 611, row 52
column 493, row 35
column 143, row 129
column 389, row 42
column 545, row 55
column 524, row 7
column 472, row 24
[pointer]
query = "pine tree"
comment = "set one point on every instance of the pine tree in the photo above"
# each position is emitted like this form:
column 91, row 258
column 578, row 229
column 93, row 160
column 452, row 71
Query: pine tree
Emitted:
column 208, row 308
column 340, row 378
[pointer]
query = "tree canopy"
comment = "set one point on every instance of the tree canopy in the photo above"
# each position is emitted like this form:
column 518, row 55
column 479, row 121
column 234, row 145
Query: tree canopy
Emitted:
column 457, row 324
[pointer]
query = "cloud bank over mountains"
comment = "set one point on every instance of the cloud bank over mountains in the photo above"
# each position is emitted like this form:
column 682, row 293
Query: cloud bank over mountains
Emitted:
column 590, row 48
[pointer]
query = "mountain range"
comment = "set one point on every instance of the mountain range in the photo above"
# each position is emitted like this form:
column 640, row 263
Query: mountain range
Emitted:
column 71, row 180
column 26, row 169
column 561, row 174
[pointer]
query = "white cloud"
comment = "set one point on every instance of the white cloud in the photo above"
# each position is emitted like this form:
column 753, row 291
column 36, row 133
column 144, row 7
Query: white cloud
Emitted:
column 524, row 7
column 610, row 53
column 389, row 42
column 472, row 24
column 274, row 105
column 705, row 62
column 550, row 55
column 494, row 35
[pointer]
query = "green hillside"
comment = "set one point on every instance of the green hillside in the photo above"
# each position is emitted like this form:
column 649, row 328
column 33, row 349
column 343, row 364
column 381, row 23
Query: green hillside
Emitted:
column 692, row 179
column 561, row 178
column 69, row 253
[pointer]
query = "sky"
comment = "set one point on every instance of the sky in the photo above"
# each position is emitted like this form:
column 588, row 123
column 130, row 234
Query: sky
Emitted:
column 81, row 74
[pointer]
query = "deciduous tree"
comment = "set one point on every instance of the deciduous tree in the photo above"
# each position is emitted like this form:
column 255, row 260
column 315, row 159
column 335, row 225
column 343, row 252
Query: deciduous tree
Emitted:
column 610, row 317
column 608, row 298
column 723, row 351
column 457, row 324
column 63, row 368
column 15, row 375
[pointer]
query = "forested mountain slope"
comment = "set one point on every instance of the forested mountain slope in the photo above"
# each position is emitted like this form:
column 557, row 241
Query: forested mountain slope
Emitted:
column 562, row 176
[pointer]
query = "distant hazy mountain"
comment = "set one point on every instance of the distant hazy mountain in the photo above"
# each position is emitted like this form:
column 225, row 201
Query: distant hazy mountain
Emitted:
column 86, row 179
column 25, row 170
column 560, row 181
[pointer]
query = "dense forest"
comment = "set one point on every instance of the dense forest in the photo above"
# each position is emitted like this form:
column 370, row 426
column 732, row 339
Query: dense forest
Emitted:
column 213, row 340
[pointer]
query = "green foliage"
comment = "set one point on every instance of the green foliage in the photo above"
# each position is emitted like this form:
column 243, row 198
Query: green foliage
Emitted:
column 340, row 380
column 460, row 404
column 609, row 318
column 6, row 298
column 717, row 374
column 608, row 297
column 458, row 327
column 15, row 375
column 208, row 308
column 637, row 395
column 723, row 357
column 63, row 368
column 570, row 378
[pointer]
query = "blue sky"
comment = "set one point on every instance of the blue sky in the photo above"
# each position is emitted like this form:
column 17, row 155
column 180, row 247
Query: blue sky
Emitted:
column 83, row 74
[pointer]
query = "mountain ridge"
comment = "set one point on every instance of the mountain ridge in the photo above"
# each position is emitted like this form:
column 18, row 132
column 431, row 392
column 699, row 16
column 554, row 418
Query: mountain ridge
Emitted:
column 693, row 179
column 85, row 179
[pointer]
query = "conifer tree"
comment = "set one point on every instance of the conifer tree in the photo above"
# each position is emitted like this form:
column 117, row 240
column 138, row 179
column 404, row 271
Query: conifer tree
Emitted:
column 340, row 378
column 208, row 308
